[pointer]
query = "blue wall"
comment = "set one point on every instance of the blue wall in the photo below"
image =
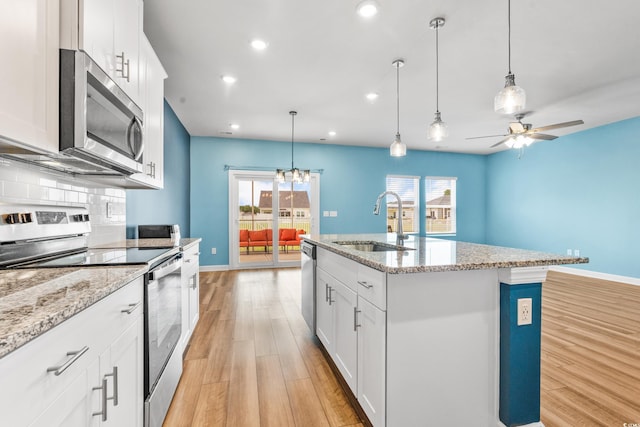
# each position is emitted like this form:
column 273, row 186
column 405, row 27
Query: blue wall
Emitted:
column 577, row 192
column 351, row 180
column 171, row 205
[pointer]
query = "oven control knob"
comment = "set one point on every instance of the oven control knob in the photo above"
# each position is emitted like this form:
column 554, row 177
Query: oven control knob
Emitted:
column 12, row 218
column 26, row 217
column 85, row 217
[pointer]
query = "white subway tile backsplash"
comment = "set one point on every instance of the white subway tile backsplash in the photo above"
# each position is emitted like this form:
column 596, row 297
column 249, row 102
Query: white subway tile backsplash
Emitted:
column 23, row 183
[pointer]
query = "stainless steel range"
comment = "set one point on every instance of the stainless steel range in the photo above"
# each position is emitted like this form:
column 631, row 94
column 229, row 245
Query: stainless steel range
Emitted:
column 36, row 236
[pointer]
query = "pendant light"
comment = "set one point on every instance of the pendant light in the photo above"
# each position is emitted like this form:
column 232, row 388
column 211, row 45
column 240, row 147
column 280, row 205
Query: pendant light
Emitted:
column 511, row 99
column 438, row 129
column 398, row 148
column 297, row 175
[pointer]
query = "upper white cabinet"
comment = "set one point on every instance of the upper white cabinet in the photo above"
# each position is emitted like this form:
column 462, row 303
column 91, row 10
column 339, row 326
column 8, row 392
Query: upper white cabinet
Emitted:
column 29, row 76
column 110, row 32
column 152, row 77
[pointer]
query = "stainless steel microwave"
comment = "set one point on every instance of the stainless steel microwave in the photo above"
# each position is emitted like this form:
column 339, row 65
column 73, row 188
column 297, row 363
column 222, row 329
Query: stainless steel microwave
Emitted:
column 99, row 123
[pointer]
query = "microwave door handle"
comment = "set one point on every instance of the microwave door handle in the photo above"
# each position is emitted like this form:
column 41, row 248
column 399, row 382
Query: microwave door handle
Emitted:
column 137, row 151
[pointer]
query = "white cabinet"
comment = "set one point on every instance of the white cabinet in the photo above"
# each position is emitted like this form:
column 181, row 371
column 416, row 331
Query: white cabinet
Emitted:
column 351, row 324
column 371, row 361
column 29, row 76
column 75, row 370
column 152, row 76
column 190, row 293
column 109, row 31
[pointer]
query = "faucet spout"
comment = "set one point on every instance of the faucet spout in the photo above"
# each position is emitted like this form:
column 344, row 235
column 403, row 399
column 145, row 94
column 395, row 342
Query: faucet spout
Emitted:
column 376, row 210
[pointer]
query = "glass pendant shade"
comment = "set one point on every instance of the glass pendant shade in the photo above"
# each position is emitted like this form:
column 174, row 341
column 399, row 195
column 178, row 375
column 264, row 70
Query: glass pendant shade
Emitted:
column 280, row 175
column 511, row 99
column 296, row 175
column 398, row 148
column 306, row 175
column 438, row 129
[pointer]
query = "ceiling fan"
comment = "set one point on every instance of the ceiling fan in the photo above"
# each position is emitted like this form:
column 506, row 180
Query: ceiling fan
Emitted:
column 521, row 134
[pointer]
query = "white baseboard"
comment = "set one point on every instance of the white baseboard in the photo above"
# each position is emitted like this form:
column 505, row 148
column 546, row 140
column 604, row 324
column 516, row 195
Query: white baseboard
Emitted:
column 596, row 275
column 214, row 267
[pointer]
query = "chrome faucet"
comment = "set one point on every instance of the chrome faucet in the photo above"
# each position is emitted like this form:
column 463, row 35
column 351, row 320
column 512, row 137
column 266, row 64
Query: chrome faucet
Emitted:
column 376, row 210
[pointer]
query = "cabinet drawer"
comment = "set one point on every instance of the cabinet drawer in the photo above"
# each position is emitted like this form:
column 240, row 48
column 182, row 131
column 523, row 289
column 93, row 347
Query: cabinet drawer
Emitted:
column 28, row 388
column 343, row 269
column 191, row 260
column 372, row 285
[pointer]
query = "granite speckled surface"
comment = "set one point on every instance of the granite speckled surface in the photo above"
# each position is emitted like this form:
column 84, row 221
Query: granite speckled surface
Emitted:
column 32, row 301
column 426, row 254
column 184, row 244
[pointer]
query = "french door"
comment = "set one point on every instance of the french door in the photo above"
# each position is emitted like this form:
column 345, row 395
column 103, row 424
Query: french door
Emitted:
column 266, row 218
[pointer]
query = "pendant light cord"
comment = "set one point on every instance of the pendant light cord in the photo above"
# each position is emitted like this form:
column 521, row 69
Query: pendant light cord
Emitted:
column 437, row 72
column 509, row 25
column 398, row 95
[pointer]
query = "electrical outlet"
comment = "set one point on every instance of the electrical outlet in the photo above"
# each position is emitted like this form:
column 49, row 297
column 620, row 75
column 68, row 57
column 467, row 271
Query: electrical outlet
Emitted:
column 525, row 306
column 213, row 251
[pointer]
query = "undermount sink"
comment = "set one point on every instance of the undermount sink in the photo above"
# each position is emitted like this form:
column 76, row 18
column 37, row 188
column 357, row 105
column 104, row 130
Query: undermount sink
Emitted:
column 370, row 246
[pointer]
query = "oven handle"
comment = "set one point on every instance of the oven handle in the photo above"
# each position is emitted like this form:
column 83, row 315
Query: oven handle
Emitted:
column 165, row 270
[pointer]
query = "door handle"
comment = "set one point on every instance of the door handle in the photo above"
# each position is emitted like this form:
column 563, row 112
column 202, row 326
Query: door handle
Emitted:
column 355, row 318
column 103, row 400
column 114, row 374
column 365, row 284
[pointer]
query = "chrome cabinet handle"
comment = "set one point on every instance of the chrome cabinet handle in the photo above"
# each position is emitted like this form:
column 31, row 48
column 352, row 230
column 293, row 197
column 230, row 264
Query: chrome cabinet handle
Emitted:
column 193, row 280
column 365, row 284
column 326, row 292
column 128, row 72
column 57, row 370
column 331, row 301
column 132, row 308
column 103, row 400
column 355, row 318
column 114, row 374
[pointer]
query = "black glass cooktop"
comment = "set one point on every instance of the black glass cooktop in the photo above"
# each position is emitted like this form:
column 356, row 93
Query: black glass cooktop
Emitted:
column 118, row 256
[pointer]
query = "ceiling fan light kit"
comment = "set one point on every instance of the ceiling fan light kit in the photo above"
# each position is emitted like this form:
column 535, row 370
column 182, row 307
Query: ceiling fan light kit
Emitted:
column 438, row 129
column 398, row 148
column 511, row 99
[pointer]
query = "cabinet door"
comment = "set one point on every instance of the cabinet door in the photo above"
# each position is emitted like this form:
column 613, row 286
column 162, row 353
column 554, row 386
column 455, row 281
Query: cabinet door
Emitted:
column 75, row 406
column 194, row 300
column 127, row 29
column 125, row 378
column 95, row 31
column 29, row 76
column 345, row 353
column 324, row 310
column 371, row 361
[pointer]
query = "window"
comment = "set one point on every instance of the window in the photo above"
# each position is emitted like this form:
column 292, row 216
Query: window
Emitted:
column 440, row 194
column 408, row 188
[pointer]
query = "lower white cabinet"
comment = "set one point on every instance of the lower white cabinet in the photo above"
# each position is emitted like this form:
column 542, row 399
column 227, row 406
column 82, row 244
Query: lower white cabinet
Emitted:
column 87, row 371
column 190, row 293
column 353, row 331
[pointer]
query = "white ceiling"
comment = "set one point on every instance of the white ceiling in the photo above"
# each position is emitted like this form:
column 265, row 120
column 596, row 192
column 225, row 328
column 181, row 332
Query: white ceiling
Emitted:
column 576, row 59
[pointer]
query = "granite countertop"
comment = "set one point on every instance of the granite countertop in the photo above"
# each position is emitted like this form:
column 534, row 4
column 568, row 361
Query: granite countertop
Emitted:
column 426, row 254
column 32, row 301
column 184, row 244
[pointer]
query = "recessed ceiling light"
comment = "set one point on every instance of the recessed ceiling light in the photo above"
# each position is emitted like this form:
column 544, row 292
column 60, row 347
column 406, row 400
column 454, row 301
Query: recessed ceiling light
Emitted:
column 229, row 79
column 372, row 96
column 258, row 44
column 234, row 126
column 367, row 8
column 332, row 133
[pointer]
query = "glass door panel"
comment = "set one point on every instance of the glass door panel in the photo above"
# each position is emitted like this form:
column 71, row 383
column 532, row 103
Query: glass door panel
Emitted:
column 294, row 218
column 255, row 221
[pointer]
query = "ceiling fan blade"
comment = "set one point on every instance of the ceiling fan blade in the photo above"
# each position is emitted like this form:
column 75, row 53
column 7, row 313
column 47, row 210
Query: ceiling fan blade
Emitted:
column 541, row 136
column 486, row 136
column 558, row 126
column 500, row 143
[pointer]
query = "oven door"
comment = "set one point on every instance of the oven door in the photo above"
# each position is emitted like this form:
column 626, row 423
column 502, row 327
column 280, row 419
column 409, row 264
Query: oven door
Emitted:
column 163, row 318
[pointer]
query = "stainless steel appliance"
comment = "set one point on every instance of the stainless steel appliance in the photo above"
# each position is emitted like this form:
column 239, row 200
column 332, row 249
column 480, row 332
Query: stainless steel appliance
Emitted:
column 35, row 236
column 101, row 131
column 308, row 284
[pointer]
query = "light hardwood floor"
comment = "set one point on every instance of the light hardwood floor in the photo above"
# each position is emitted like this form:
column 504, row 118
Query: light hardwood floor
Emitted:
column 253, row 362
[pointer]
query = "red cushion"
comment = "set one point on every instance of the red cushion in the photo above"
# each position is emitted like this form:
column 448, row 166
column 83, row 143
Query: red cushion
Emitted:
column 244, row 235
column 288, row 234
column 260, row 235
column 269, row 234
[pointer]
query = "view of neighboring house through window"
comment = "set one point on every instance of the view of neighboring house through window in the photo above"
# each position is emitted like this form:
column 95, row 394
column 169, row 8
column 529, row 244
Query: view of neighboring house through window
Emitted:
column 440, row 194
column 408, row 188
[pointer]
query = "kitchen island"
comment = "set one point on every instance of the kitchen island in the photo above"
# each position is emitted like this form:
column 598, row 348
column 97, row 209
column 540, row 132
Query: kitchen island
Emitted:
column 428, row 334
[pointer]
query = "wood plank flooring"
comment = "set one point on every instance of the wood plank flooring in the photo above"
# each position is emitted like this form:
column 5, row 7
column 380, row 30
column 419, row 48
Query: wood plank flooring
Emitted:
column 253, row 362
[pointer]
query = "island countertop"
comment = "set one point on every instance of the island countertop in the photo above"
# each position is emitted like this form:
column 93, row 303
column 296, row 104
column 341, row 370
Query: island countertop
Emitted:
column 32, row 301
column 425, row 254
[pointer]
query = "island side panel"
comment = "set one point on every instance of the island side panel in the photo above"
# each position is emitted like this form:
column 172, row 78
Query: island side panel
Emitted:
column 443, row 348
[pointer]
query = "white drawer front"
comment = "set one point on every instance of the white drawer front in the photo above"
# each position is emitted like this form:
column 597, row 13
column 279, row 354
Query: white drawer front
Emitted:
column 372, row 286
column 191, row 261
column 343, row 269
